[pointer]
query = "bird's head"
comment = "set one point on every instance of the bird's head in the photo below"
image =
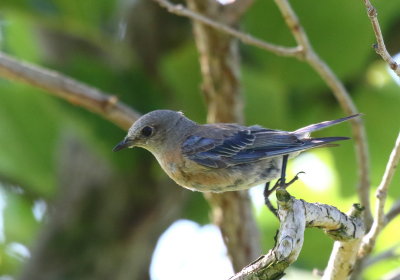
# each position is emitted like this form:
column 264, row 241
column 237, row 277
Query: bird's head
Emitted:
column 154, row 130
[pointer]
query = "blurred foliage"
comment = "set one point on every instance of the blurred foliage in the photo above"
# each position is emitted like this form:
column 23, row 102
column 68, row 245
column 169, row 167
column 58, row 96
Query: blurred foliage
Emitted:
column 279, row 93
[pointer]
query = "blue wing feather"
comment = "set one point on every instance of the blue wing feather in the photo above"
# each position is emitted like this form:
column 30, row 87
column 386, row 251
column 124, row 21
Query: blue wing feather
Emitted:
column 223, row 145
column 247, row 146
column 238, row 146
column 196, row 144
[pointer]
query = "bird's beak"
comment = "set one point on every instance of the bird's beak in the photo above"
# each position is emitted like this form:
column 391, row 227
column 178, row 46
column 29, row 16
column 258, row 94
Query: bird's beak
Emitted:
column 126, row 143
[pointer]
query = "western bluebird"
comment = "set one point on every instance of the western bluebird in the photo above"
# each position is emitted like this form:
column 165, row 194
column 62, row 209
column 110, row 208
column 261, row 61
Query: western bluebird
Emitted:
column 223, row 156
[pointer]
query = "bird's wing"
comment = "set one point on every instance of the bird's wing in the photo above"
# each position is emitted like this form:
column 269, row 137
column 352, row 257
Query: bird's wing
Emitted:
column 219, row 146
column 223, row 145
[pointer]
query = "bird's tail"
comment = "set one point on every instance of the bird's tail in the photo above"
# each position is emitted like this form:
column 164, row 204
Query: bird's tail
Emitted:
column 317, row 126
column 326, row 141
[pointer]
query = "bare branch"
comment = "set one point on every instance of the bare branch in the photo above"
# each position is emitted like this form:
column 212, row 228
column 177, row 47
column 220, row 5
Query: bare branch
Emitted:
column 69, row 89
column 294, row 25
column 295, row 215
column 393, row 212
column 390, row 253
column 343, row 256
column 381, row 194
column 380, row 47
column 234, row 11
column 180, row 10
column 342, row 260
column 342, row 97
column 393, row 275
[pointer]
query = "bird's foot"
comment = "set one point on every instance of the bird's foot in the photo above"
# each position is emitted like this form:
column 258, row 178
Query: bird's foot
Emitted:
column 280, row 183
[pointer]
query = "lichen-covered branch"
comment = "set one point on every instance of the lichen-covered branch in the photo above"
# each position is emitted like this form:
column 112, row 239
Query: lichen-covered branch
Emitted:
column 295, row 215
column 68, row 89
column 342, row 261
column 380, row 47
column 344, row 253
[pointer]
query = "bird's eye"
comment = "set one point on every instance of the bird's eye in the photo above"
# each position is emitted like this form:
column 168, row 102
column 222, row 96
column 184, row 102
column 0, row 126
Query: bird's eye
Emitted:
column 147, row 131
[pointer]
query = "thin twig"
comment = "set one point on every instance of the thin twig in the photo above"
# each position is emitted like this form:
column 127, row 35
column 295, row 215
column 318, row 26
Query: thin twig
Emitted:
column 381, row 194
column 181, row 10
column 294, row 25
column 392, row 275
column 393, row 212
column 69, row 89
column 380, row 47
column 234, row 11
column 390, row 253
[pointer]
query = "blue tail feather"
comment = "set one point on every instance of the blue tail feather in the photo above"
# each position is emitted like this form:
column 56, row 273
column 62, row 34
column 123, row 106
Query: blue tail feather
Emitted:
column 321, row 125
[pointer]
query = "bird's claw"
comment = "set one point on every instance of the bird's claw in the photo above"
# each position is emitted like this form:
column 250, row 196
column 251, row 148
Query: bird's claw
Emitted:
column 280, row 183
column 295, row 178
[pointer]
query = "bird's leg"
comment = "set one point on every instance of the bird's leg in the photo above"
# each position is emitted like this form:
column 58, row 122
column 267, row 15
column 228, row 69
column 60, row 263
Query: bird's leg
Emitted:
column 282, row 180
column 267, row 193
column 279, row 183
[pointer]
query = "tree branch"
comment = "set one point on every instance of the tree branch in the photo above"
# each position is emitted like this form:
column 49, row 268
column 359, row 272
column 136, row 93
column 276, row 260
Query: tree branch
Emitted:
column 295, row 215
column 234, row 11
column 380, row 47
column 68, row 89
column 393, row 212
column 390, row 253
column 343, row 255
column 393, row 275
column 381, row 194
column 180, row 10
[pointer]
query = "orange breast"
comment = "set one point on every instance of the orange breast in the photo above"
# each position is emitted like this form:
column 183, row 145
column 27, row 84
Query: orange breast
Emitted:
column 193, row 176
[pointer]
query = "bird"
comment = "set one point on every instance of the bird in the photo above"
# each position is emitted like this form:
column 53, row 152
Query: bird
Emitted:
column 221, row 157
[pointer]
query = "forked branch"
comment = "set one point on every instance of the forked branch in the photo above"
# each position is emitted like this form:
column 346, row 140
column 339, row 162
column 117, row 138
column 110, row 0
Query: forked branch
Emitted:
column 295, row 215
